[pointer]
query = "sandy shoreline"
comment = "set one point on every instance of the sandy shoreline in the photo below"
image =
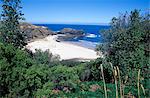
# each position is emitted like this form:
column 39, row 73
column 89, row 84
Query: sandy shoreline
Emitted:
column 64, row 50
column 81, row 44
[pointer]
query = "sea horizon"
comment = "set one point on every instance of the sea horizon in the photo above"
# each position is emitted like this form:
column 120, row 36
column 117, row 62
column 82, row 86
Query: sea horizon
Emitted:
column 71, row 23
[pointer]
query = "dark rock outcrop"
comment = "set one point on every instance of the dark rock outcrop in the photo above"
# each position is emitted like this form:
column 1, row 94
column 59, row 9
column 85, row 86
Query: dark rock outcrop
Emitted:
column 72, row 31
column 33, row 32
column 69, row 33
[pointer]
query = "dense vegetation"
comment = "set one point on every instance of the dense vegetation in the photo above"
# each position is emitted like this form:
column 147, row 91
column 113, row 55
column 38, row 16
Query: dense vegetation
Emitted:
column 123, row 72
column 127, row 45
column 11, row 15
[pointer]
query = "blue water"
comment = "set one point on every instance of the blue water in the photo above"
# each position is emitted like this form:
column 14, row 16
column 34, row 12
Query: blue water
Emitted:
column 92, row 32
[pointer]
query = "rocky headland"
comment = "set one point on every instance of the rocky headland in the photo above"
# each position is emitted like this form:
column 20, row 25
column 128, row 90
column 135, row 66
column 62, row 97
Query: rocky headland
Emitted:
column 33, row 32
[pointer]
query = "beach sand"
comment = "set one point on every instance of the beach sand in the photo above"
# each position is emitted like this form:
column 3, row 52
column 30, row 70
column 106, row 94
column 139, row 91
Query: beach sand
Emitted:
column 66, row 51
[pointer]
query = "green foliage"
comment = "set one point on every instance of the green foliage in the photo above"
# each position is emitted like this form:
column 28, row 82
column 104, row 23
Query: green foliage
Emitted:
column 46, row 90
column 11, row 15
column 71, row 63
column 62, row 79
column 65, row 76
column 92, row 71
column 127, row 45
column 36, row 76
column 19, row 74
column 22, row 76
column 93, row 89
column 14, row 63
column 46, row 58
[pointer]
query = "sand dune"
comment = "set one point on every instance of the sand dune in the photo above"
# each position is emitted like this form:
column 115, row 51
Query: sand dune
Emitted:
column 64, row 50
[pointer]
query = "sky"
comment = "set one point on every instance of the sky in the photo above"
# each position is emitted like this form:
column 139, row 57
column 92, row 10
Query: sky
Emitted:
column 78, row 11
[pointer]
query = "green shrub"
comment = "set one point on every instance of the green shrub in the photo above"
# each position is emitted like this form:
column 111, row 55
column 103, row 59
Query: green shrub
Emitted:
column 65, row 76
column 46, row 58
column 71, row 63
column 92, row 71
column 20, row 76
column 12, row 69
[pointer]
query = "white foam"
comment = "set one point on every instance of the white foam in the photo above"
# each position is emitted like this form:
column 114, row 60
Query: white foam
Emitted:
column 91, row 35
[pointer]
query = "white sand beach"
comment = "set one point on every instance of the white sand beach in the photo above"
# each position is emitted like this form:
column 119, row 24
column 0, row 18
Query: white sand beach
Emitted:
column 64, row 50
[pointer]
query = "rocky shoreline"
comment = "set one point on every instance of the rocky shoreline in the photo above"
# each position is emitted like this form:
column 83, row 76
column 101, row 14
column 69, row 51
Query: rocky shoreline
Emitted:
column 33, row 32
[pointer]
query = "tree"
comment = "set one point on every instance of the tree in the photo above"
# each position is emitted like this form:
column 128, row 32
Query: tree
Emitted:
column 127, row 43
column 11, row 15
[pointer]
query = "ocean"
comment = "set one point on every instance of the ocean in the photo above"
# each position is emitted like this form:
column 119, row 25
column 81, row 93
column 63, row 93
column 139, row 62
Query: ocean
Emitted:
column 92, row 33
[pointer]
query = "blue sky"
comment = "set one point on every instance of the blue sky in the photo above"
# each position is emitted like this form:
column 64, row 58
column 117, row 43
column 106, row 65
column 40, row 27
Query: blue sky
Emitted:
column 78, row 11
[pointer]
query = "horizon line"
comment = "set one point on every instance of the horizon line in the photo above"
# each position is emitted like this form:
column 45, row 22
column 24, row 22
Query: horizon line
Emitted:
column 72, row 23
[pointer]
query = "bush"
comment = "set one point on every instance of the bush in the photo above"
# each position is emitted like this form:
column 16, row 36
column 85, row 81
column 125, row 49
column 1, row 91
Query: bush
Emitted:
column 66, row 76
column 62, row 80
column 20, row 75
column 46, row 58
column 71, row 63
column 92, row 71
column 14, row 64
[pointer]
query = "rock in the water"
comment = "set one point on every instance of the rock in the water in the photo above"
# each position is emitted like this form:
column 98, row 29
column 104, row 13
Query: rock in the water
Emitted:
column 72, row 31
column 69, row 33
